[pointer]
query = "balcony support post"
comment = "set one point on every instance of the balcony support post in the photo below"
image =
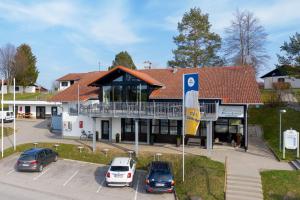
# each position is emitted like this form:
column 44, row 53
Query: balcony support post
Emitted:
column 136, row 121
column 94, row 134
column 148, row 131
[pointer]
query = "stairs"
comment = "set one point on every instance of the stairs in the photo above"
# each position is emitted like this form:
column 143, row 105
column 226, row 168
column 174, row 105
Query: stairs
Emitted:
column 295, row 164
column 242, row 187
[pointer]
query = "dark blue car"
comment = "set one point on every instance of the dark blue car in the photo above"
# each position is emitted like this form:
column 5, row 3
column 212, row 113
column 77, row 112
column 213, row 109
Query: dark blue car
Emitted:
column 160, row 177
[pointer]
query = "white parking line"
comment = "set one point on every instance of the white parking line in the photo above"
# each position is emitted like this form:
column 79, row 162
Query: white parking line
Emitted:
column 71, row 178
column 41, row 174
column 11, row 171
column 100, row 186
column 137, row 188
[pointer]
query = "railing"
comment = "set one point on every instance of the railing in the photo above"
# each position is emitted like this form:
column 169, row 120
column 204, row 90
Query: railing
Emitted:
column 158, row 110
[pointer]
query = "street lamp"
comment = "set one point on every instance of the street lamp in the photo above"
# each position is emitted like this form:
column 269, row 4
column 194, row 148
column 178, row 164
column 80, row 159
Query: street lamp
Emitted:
column 280, row 137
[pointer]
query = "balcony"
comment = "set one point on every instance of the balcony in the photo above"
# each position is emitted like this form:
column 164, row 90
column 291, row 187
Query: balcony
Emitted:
column 146, row 110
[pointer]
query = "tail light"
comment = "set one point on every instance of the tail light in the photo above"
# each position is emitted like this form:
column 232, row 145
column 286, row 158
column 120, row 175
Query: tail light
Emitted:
column 147, row 181
column 18, row 162
column 129, row 175
column 108, row 175
column 172, row 182
column 33, row 162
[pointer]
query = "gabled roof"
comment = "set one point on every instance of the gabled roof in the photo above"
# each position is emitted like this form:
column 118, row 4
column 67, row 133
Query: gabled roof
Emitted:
column 86, row 92
column 284, row 70
column 71, row 77
column 136, row 73
column 233, row 85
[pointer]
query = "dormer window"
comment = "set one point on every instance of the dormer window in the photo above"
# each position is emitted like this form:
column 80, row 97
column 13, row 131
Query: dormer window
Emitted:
column 64, row 83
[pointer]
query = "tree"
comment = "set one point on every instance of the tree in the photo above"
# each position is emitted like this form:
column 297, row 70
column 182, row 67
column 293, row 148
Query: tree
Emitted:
column 245, row 41
column 292, row 51
column 123, row 58
column 197, row 46
column 7, row 62
column 25, row 62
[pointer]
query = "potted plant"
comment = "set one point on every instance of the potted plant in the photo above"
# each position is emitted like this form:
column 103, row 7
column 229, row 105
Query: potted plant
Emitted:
column 117, row 137
column 178, row 140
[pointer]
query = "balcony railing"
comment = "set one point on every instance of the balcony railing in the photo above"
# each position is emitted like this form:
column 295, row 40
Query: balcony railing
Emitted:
column 156, row 110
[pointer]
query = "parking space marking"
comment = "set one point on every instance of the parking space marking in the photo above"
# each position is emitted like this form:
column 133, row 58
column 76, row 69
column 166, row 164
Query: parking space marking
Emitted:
column 71, row 178
column 137, row 188
column 11, row 171
column 41, row 174
column 100, row 186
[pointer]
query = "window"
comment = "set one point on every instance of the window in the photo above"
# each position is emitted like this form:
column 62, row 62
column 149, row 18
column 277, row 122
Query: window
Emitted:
column 155, row 126
column 119, row 79
column 64, row 83
column 164, row 129
column 117, row 93
column 129, row 125
column 280, row 80
column 131, row 78
column 106, row 93
column 173, row 127
column 17, row 88
column 143, row 126
column 131, row 93
column 143, row 92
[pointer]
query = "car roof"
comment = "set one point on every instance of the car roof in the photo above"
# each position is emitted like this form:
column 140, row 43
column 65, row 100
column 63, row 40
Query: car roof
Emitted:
column 33, row 150
column 120, row 161
column 160, row 165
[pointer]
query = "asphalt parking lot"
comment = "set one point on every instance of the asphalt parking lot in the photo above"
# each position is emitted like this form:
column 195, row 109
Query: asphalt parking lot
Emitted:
column 67, row 179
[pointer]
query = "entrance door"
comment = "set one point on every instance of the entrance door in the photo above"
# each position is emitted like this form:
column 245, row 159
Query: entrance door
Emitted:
column 105, row 129
column 40, row 112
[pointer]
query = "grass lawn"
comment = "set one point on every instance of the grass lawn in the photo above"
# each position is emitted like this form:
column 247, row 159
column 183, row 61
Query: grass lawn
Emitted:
column 204, row 177
column 28, row 96
column 268, row 118
column 278, row 185
column 6, row 131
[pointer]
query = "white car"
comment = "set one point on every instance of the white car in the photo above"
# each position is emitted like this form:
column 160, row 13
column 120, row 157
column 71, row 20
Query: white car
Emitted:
column 120, row 172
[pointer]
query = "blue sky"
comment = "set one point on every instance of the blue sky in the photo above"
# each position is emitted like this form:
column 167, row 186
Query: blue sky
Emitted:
column 74, row 36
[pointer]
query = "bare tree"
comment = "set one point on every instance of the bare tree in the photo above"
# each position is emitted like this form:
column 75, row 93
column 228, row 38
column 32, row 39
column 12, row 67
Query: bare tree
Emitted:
column 245, row 41
column 7, row 62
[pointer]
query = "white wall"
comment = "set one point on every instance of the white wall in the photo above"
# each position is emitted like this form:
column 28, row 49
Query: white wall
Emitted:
column 30, row 89
column 33, row 109
column 116, row 127
column 4, row 89
column 63, row 87
column 268, row 81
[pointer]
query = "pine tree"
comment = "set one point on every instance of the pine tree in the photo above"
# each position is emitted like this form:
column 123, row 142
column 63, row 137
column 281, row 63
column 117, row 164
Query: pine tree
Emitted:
column 197, row 46
column 26, row 70
column 292, row 52
column 124, row 59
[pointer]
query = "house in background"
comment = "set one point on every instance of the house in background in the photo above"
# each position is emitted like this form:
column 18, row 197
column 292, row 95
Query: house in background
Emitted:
column 68, row 80
column 282, row 75
column 21, row 89
column 146, row 105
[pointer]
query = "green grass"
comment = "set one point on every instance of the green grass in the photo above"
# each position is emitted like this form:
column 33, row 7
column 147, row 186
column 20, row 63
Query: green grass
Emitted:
column 278, row 185
column 29, row 96
column 7, row 131
column 203, row 177
column 268, row 118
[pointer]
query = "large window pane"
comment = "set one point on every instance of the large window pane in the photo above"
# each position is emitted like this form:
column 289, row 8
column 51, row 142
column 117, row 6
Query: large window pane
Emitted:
column 129, row 126
column 117, row 93
column 173, row 127
column 106, row 94
column 164, row 126
column 119, row 79
column 155, row 126
column 143, row 126
column 131, row 93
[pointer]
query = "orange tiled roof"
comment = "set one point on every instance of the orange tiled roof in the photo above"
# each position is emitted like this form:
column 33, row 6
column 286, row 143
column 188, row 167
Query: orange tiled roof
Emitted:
column 234, row 85
column 71, row 77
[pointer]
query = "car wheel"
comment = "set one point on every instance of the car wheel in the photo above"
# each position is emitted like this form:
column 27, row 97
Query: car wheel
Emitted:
column 41, row 168
column 55, row 158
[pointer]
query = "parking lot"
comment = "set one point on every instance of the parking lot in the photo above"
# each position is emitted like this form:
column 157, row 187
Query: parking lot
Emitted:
column 67, row 179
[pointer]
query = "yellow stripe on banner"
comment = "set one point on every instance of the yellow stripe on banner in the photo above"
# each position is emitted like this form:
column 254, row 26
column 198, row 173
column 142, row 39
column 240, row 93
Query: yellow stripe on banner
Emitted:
column 192, row 120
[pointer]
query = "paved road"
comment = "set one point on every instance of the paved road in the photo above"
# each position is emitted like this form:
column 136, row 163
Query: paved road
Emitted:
column 68, row 179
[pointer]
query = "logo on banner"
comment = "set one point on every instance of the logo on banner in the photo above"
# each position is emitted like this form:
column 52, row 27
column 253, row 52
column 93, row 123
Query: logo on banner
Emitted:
column 191, row 103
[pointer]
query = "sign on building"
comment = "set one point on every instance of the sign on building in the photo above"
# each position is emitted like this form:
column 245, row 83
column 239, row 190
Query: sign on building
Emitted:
column 191, row 103
column 290, row 141
column 231, row 111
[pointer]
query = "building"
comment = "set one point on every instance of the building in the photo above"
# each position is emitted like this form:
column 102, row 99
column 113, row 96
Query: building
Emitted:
column 146, row 105
column 34, row 109
column 68, row 80
column 282, row 75
column 21, row 89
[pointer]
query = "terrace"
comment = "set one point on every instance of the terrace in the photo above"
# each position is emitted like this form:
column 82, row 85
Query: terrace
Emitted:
column 146, row 110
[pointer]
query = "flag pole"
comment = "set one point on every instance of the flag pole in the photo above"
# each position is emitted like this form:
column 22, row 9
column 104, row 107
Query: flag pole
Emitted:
column 183, row 127
column 2, row 115
column 14, row 109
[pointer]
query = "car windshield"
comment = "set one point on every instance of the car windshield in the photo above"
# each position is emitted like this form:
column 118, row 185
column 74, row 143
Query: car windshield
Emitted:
column 27, row 157
column 160, row 175
column 119, row 168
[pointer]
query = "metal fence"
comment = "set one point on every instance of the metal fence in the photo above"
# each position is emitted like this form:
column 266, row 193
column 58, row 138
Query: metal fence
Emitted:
column 159, row 110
